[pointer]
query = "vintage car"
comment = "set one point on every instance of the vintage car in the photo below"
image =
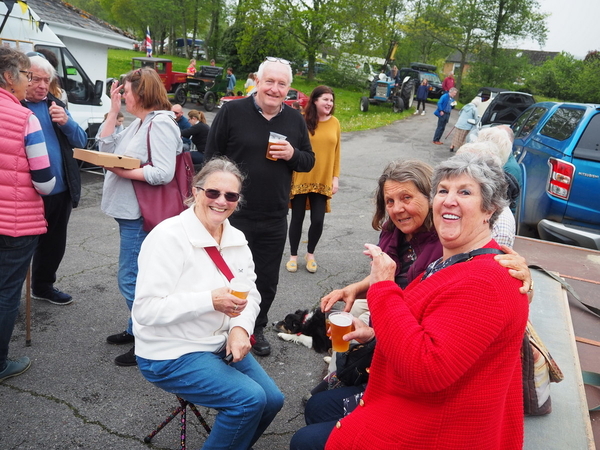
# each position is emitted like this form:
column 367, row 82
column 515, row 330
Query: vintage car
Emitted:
column 293, row 95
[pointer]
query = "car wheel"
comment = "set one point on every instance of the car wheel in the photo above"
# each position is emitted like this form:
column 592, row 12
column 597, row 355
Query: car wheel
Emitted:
column 364, row 104
column 398, row 105
column 408, row 93
column 180, row 95
column 210, row 100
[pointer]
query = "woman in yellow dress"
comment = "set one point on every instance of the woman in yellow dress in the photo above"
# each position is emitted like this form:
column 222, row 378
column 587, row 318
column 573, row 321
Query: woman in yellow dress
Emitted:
column 313, row 190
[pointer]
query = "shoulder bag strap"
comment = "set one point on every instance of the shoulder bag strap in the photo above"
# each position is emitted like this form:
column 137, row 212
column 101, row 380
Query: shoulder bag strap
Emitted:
column 148, row 144
column 594, row 310
column 214, row 254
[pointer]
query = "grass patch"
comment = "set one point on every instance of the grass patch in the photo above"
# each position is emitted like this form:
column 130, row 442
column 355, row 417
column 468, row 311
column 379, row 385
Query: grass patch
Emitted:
column 346, row 101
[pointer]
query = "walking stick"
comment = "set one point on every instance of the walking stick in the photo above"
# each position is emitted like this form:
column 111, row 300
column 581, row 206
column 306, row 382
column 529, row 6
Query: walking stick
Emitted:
column 28, row 309
column 449, row 133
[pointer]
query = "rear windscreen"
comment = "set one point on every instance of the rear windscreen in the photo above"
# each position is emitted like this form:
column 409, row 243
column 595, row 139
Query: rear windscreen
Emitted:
column 588, row 146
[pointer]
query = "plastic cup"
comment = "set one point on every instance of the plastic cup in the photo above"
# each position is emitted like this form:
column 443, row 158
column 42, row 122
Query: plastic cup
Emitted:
column 239, row 287
column 274, row 138
column 341, row 324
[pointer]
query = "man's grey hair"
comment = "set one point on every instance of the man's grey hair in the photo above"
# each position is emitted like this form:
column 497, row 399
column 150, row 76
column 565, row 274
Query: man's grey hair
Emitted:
column 42, row 64
column 484, row 171
column 264, row 64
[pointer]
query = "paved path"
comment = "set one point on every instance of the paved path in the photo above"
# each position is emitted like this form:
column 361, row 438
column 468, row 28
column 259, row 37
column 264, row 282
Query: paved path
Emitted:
column 74, row 397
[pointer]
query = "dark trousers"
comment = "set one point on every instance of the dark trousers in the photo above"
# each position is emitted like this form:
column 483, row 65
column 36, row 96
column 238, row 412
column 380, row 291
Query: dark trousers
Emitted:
column 266, row 239
column 421, row 102
column 321, row 413
column 15, row 256
column 51, row 246
column 318, row 204
column 441, row 126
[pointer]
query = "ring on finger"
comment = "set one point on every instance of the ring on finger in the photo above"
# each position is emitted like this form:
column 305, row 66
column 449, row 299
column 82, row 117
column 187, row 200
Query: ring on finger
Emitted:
column 236, row 307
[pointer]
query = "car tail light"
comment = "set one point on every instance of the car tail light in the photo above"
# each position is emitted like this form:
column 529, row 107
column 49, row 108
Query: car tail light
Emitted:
column 561, row 178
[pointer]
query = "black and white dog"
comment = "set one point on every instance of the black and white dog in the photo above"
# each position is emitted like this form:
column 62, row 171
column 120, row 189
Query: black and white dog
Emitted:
column 306, row 328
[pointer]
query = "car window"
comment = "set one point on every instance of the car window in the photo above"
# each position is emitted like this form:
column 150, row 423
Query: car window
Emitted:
column 562, row 123
column 432, row 78
column 527, row 122
column 588, row 146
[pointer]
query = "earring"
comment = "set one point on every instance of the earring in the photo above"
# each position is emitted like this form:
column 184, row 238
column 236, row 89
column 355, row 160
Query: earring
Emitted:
column 486, row 220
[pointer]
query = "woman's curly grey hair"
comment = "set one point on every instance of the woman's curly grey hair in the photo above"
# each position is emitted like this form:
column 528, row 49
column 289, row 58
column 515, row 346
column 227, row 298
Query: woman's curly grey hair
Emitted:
column 485, row 171
column 214, row 165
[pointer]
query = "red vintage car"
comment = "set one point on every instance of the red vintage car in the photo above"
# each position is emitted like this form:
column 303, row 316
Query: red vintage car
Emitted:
column 293, row 95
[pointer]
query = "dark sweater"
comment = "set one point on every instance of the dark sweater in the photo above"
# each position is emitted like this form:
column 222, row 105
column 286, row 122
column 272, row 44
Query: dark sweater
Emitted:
column 198, row 133
column 241, row 133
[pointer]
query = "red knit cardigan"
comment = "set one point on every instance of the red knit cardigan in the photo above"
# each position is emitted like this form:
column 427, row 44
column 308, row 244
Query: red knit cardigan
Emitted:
column 446, row 373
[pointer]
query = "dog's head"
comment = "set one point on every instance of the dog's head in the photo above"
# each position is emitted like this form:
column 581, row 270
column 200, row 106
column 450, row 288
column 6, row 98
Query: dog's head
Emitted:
column 292, row 323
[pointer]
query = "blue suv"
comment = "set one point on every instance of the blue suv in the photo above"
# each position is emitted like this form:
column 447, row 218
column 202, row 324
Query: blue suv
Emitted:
column 557, row 146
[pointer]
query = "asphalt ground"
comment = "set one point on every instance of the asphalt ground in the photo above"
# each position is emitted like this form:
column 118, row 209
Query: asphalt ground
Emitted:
column 75, row 397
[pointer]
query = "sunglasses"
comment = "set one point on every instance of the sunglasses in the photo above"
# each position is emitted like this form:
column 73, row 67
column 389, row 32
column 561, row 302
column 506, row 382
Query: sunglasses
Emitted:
column 213, row 194
column 281, row 60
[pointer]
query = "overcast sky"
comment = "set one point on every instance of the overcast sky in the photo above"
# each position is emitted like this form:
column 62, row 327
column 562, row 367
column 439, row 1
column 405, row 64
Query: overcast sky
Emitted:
column 573, row 27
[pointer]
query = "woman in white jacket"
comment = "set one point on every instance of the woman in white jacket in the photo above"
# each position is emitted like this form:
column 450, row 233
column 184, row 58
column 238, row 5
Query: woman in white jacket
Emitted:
column 185, row 320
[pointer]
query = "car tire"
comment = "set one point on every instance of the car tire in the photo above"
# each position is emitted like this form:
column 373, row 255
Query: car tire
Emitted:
column 180, row 95
column 210, row 101
column 398, row 105
column 364, row 104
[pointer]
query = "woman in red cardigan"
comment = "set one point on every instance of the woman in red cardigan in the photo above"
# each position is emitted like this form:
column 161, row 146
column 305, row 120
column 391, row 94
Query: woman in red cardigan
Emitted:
column 446, row 373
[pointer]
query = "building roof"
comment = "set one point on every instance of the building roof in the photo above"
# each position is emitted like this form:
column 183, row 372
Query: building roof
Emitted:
column 67, row 20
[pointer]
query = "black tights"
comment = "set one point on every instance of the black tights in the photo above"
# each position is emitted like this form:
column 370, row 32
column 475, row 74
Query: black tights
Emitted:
column 318, row 202
column 419, row 103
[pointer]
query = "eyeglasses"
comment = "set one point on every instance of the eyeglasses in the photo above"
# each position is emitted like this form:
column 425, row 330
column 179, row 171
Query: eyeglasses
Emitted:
column 281, row 60
column 213, row 194
column 29, row 74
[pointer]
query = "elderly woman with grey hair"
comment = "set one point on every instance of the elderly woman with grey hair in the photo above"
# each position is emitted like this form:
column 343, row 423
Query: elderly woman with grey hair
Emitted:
column 447, row 361
column 186, row 320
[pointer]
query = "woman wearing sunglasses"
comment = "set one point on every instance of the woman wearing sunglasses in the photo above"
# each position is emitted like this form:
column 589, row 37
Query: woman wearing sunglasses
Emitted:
column 186, row 321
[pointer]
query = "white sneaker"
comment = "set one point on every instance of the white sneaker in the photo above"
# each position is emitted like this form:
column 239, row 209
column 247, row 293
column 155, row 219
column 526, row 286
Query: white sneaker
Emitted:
column 416, row 112
column 423, row 113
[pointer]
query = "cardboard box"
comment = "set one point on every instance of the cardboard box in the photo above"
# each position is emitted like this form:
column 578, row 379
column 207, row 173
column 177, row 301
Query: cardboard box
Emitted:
column 106, row 159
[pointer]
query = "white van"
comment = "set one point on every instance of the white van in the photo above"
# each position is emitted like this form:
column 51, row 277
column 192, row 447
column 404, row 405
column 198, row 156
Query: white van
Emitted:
column 25, row 31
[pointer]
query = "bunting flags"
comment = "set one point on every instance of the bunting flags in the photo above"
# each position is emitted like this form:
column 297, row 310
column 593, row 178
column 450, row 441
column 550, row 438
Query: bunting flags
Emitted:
column 148, row 43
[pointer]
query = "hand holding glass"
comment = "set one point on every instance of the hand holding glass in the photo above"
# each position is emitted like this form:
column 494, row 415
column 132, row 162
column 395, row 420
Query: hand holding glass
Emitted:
column 340, row 324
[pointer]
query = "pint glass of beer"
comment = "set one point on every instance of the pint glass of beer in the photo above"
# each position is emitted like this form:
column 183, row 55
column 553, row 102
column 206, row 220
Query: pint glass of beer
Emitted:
column 341, row 324
column 239, row 287
column 274, row 138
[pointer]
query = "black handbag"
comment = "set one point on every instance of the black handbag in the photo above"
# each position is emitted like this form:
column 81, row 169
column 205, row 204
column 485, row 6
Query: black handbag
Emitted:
column 353, row 365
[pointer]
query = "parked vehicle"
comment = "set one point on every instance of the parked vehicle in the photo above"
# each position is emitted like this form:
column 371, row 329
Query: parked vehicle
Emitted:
column 203, row 88
column 293, row 95
column 418, row 72
column 505, row 107
column 385, row 90
column 87, row 104
column 557, row 146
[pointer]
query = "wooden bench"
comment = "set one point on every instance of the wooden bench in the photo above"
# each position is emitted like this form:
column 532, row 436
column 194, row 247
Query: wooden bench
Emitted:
column 568, row 425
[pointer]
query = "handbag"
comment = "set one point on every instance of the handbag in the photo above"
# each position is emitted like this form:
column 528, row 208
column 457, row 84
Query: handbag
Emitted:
column 159, row 202
column 353, row 365
column 539, row 370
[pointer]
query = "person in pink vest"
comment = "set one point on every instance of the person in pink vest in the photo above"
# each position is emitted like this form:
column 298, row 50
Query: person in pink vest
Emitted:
column 24, row 175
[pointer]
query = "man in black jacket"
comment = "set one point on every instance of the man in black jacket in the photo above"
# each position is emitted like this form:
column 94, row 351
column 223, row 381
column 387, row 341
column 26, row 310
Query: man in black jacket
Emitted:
column 62, row 133
column 241, row 131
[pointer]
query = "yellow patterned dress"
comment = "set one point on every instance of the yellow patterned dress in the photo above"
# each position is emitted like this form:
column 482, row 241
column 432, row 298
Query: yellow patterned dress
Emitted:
column 326, row 146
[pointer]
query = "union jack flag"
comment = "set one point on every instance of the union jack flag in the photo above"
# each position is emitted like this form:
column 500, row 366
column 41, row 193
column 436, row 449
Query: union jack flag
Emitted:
column 148, row 43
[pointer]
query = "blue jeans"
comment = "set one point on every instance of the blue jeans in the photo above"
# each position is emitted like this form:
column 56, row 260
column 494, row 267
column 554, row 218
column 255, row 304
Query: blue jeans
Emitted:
column 132, row 235
column 15, row 256
column 441, row 126
column 321, row 413
column 245, row 396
